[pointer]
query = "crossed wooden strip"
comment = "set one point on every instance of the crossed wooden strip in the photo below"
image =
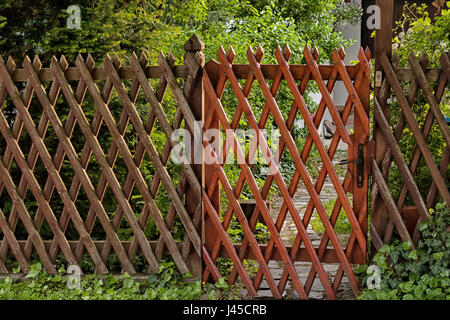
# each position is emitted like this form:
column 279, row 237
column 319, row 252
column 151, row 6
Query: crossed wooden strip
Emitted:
column 421, row 149
column 81, row 179
column 227, row 69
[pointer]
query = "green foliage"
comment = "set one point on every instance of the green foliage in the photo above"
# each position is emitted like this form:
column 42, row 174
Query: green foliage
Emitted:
column 423, row 273
column 169, row 284
column 348, row 12
column 236, row 233
column 342, row 225
column 417, row 33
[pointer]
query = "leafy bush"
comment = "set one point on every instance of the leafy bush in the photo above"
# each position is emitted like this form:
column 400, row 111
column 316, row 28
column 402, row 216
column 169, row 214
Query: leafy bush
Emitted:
column 348, row 12
column 169, row 284
column 417, row 33
column 423, row 273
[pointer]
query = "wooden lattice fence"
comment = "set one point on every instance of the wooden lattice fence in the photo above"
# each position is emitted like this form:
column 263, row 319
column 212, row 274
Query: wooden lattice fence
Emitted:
column 87, row 170
column 130, row 142
column 404, row 213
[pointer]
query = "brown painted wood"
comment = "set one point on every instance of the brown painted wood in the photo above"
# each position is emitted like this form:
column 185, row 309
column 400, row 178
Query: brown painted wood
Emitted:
column 400, row 161
column 383, row 44
column 409, row 116
column 395, row 214
column 194, row 91
column 434, row 105
column 241, row 70
column 302, row 256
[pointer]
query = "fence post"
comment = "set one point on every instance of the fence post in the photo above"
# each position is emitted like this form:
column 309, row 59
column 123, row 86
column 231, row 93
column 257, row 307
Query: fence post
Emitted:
column 194, row 59
column 383, row 45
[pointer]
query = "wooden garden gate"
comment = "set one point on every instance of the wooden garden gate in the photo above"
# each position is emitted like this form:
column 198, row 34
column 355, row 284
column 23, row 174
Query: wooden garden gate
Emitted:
column 203, row 199
column 218, row 214
column 53, row 215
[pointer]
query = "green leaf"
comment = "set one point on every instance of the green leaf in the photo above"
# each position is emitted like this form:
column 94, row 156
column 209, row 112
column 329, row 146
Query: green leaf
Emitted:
column 413, row 255
column 406, row 245
column 221, row 284
column 35, row 269
column 212, row 295
column 438, row 255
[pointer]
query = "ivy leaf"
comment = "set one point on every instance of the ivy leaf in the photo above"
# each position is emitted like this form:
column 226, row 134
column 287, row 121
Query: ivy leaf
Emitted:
column 406, row 245
column 438, row 255
column 413, row 255
column 221, row 284
column 35, row 269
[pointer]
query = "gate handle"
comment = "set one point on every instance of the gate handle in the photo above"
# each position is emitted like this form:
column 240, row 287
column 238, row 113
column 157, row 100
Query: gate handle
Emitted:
column 359, row 165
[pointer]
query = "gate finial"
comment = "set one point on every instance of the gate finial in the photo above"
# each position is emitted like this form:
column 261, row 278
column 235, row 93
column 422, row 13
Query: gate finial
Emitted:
column 194, row 44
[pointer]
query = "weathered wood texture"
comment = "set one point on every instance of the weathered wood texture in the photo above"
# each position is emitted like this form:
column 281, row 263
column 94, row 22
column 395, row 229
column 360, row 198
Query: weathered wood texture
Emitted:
column 218, row 219
column 411, row 206
column 184, row 193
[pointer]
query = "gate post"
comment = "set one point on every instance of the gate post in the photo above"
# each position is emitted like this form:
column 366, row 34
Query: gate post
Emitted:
column 383, row 45
column 360, row 140
column 194, row 59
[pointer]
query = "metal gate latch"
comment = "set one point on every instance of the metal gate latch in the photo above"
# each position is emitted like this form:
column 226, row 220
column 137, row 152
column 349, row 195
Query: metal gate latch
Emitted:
column 359, row 165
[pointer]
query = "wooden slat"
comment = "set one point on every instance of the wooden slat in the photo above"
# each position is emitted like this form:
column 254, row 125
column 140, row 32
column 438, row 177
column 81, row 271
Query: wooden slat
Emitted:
column 227, row 243
column 304, row 156
column 13, row 244
column 115, row 186
column 387, row 160
column 409, row 116
column 445, row 63
column 180, row 71
column 154, row 156
column 395, row 214
column 58, row 161
column 286, row 136
column 76, row 183
column 241, row 70
column 213, row 184
column 138, row 156
column 112, row 157
column 331, row 171
column 399, row 160
column 434, row 106
column 71, row 153
column 328, row 257
column 17, row 131
column 359, row 109
column 326, row 96
column 98, row 73
column 417, row 154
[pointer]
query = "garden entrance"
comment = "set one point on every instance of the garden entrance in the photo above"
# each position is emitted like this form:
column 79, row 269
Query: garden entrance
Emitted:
column 89, row 179
column 103, row 186
column 223, row 190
